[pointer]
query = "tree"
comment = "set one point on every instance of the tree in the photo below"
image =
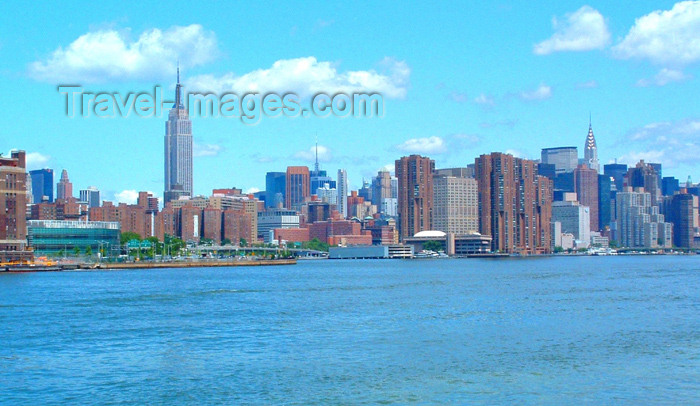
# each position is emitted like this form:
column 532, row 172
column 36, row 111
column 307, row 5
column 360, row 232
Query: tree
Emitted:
column 88, row 250
column 243, row 243
column 433, row 246
column 558, row 249
column 76, row 251
column 128, row 236
column 315, row 244
column 225, row 241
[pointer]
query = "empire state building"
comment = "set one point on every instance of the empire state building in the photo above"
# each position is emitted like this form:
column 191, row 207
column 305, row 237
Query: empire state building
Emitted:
column 178, row 149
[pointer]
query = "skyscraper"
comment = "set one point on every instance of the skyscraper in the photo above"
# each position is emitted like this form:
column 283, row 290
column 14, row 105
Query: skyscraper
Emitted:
column 415, row 175
column 605, row 209
column 564, row 159
column 515, row 204
column 42, row 184
column 381, row 187
column 297, row 186
column 456, row 205
column 343, row 193
column 590, row 152
column 178, row 149
column 91, row 196
column 683, row 213
column 644, row 175
column 638, row 222
column 64, row 189
column 617, row 172
column 275, row 189
column 586, row 187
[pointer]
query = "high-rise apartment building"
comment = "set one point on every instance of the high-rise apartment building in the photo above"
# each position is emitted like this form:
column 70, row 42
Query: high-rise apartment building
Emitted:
column 64, row 189
column 455, row 205
column 297, row 186
column 415, row 202
column 342, row 192
column 645, row 175
column 13, row 205
column 42, row 185
column 515, row 204
column 639, row 223
column 178, row 149
column 683, row 213
column 586, row 188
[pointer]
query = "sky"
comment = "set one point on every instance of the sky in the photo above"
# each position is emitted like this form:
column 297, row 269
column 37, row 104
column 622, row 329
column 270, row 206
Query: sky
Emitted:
column 458, row 80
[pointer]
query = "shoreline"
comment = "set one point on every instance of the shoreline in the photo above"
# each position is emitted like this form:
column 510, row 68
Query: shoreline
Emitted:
column 144, row 265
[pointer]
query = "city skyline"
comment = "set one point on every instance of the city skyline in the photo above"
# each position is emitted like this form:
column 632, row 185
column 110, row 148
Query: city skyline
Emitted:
column 512, row 90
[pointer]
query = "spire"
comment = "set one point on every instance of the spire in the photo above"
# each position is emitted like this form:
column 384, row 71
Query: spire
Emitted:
column 590, row 149
column 178, row 90
column 316, row 166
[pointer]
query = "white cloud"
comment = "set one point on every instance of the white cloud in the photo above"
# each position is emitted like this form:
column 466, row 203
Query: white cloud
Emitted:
column 324, row 154
column 388, row 168
column 670, row 143
column 110, row 55
column 458, row 97
column 541, row 93
column 427, row 145
column 583, row 30
column 485, row 100
column 664, row 77
column 591, row 84
column 516, row 153
column 308, row 76
column 206, row 150
column 128, row 196
column 36, row 160
column 665, row 37
column 251, row 191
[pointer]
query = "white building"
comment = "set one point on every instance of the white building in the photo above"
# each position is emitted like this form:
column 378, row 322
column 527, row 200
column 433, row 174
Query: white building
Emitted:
column 638, row 223
column 574, row 218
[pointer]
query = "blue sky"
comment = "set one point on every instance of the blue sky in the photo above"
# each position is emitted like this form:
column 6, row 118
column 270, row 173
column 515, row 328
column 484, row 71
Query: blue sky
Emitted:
column 459, row 80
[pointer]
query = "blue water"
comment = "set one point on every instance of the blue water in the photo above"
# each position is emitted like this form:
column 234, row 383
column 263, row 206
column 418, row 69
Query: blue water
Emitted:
column 586, row 330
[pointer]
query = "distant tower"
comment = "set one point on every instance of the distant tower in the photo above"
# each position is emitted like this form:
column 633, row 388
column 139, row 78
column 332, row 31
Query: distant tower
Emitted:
column 343, row 192
column 64, row 189
column 178, row 149
column 590, row 150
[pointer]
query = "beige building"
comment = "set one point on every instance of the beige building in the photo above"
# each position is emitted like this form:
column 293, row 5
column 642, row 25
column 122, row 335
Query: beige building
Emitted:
column 455, row 205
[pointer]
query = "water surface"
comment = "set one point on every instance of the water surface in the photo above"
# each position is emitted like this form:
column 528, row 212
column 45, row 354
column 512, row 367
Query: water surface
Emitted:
column 584, row 330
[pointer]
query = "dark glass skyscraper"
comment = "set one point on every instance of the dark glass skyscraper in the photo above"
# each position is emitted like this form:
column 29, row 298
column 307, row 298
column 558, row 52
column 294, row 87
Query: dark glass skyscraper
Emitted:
column 604, row 204
column 275, row 188
column 178, row 149
column 42, row 184
column 617, row 172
